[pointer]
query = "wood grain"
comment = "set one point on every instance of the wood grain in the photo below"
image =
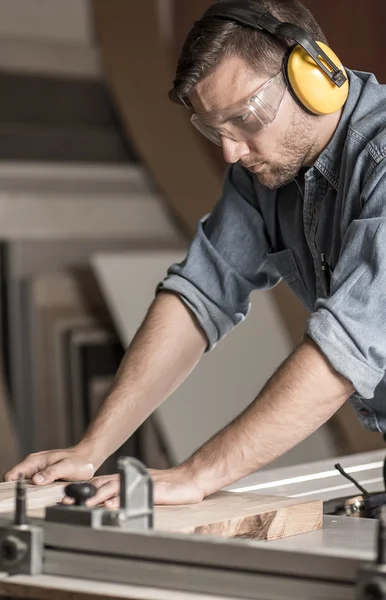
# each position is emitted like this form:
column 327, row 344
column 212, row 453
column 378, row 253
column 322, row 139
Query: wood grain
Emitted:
column 250, row 515
column 37, row 496
column 227, row 514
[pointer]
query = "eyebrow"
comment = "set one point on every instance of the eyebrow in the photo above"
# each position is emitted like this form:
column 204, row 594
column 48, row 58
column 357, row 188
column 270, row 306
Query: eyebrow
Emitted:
column 232, row 116
column 245, row 99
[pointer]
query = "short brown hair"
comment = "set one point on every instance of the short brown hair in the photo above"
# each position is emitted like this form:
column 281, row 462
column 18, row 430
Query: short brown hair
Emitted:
column 211, row 41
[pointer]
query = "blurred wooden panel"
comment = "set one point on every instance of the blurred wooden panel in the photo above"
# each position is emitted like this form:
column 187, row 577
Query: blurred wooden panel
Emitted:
column 140, row 74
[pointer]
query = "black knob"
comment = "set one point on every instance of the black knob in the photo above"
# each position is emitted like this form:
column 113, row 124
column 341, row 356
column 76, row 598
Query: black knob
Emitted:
column 373, row 591
column 12, row 549
column 80, row 492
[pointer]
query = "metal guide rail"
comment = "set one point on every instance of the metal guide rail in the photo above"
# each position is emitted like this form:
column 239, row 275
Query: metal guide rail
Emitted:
column 122, row 546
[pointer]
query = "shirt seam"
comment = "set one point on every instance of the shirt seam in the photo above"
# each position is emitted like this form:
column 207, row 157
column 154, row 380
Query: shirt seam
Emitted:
column 329, row 175
column 376, row 154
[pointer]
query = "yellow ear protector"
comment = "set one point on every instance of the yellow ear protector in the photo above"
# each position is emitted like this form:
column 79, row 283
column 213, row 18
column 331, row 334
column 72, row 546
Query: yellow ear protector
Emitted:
column 315, row 76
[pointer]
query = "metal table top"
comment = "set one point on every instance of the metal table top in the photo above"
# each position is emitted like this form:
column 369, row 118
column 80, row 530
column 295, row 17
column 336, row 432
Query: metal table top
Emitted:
column 342, row 536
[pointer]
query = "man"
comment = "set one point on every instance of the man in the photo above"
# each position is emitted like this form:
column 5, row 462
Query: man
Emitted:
column 303, row 198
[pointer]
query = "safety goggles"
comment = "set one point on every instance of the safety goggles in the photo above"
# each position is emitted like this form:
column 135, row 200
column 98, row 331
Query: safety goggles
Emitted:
column 245, row 119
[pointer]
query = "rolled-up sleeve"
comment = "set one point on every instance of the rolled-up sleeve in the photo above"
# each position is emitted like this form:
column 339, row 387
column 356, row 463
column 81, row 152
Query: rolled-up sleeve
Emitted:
column 350, row 325
column 225, row 261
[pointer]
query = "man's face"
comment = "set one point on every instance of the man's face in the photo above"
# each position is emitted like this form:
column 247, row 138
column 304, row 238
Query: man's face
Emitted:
column 276, row 155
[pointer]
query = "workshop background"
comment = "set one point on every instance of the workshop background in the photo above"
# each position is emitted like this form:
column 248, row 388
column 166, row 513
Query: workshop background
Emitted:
column 102, row 181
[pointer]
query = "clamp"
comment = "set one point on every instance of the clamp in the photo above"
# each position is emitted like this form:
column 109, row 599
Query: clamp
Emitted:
column 136, row 501
column 21, row 544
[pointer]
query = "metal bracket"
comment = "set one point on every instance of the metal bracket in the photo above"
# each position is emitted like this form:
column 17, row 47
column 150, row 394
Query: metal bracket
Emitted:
column 136, row 497
column 371, row 577
column 21, row 544
column 136, row 501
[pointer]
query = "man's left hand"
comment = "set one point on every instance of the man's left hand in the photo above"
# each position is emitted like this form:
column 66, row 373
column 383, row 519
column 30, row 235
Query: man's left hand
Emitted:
column 171, row 486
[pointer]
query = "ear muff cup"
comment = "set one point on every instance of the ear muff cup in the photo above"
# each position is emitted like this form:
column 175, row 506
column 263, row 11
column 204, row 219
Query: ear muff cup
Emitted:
column 310, row 85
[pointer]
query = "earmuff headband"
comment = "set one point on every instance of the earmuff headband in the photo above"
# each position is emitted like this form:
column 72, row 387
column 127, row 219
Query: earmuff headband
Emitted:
column 256, row 18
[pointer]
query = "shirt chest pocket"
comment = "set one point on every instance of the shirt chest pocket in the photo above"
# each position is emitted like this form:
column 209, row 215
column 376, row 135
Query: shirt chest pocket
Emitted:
column 285, row 264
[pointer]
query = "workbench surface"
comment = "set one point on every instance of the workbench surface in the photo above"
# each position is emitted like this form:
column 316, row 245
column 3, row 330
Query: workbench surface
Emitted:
column 351, row 538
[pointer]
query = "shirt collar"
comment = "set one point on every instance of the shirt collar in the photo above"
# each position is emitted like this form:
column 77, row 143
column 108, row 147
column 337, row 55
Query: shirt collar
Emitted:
column 329, row 161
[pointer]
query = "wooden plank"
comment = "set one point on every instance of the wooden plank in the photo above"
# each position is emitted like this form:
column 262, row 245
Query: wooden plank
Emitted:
column 55, row 100
column 37, row 496
column 244, row 514
column 59, row 143
column 227, row 514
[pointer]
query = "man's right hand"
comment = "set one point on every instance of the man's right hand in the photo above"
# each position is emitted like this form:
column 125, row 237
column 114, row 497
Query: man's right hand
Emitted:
column 71, row 464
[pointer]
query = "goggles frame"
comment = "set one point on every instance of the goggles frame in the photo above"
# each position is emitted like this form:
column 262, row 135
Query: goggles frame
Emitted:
column 262, row 105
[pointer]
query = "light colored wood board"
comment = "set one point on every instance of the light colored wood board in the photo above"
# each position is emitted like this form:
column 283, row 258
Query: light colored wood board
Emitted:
column 56, row 297
column 51, row 398
column 137, row 215
column 242, row 515
column 228, row 514
column 37, row 496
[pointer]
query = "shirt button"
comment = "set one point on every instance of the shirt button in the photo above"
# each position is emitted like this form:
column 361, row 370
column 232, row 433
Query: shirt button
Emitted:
column 364, row 412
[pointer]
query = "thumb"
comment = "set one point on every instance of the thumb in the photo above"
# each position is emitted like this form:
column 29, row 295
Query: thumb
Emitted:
column 64, row 469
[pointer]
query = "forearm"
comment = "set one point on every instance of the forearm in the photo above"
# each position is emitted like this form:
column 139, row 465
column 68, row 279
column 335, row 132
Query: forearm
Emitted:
column 302, row 395
column 164, row 351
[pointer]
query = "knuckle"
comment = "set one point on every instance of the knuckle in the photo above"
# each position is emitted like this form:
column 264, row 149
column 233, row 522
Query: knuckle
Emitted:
column 98, row 480
column 96, row 483
column 31, row 457
column 110, row 485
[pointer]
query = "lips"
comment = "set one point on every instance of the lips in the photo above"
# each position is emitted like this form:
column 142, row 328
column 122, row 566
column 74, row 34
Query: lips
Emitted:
column 256, row 167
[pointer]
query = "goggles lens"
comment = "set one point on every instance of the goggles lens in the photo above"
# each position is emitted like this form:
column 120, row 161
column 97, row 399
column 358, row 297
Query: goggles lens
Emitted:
column 245, row 119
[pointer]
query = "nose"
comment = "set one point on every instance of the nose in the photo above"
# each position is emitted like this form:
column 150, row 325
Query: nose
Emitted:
column 233, row 151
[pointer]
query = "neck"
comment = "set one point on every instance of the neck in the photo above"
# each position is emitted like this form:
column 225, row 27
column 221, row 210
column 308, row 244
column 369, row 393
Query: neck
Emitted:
column 324, row 132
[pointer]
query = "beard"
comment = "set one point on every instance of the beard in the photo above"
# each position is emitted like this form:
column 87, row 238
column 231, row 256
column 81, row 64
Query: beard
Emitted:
column 295, row 147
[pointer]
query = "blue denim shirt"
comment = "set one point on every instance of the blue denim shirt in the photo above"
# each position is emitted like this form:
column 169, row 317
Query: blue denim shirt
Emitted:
column 254, row 237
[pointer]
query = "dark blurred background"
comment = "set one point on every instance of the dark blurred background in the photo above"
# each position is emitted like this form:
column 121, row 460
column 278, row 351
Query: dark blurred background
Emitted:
column 102, row 181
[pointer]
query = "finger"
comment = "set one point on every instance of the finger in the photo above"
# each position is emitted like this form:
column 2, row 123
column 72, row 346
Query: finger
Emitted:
column 100, row 480
column 96, row 481
column 106, row 492
column 68, row 500
column 28, row 467
column 64, row 469
column 113, row 502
